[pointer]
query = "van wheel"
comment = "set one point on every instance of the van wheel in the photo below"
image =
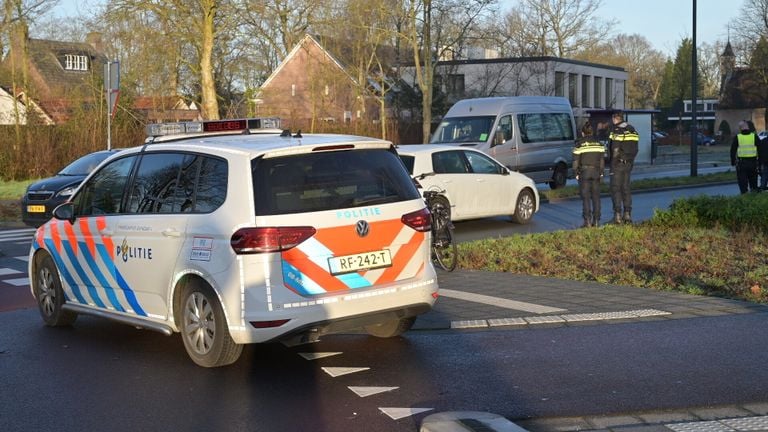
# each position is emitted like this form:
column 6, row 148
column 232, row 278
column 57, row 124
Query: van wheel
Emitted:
column 524, row 208
column 204, row 328
column 559, row 176
column 50, row 295
column 391, row 328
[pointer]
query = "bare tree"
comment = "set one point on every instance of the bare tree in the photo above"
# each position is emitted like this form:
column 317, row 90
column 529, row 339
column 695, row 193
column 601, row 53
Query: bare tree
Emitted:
column 560, row 28
column 432, row 28
column 195, row 24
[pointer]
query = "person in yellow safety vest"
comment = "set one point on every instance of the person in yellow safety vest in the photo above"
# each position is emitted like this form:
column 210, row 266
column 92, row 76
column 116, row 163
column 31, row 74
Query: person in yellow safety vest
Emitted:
column 622, row 150
column 589, row 165
column 744, row 158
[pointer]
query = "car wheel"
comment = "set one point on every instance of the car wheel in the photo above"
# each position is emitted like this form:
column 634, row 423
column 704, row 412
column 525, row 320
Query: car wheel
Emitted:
column 559, row 176
column 50, row 295
column 524, row 207
column 204, row 328
column 391, row 328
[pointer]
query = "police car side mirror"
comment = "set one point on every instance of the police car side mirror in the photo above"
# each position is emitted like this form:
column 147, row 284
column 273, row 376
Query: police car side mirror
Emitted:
column 65, row 211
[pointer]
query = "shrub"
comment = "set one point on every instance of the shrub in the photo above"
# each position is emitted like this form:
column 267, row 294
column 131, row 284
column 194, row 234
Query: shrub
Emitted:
column 742, row 212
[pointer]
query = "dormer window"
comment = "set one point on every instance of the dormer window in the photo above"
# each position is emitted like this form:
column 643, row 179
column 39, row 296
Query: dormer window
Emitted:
column 76, row 62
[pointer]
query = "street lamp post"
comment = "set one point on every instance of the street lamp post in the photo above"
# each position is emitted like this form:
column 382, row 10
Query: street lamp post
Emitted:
column 694, row 126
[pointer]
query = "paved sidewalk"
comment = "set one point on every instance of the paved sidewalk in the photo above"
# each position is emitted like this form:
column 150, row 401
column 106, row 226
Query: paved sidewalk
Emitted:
column 472, row 300
column 532, row 298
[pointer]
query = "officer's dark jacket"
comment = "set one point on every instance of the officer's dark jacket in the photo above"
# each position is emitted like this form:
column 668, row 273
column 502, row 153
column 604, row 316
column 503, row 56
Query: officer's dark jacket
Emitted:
column 762, row 150
column 588, row 154
column 623, row 143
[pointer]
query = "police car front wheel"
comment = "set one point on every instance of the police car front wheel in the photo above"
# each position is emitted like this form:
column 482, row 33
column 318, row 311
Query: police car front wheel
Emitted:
column 204, row 329
column 49, row 294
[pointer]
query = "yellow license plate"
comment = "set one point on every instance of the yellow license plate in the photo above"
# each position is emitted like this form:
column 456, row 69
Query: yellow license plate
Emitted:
column 35, row 209
column 361, row 261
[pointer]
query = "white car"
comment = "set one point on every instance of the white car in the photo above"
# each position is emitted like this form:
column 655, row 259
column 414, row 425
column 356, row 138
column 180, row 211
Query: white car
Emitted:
column 475, row 184
column 232, row 238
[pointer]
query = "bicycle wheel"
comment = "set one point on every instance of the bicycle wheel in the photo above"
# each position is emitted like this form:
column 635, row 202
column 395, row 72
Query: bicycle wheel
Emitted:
column 445, row 248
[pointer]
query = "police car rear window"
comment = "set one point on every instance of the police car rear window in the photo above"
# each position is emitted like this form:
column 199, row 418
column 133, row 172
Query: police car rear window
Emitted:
column 329, row 180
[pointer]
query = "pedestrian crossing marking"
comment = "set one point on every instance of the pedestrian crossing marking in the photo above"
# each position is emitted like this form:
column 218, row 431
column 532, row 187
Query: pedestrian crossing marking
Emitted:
column 8, row 271
column 17, row 282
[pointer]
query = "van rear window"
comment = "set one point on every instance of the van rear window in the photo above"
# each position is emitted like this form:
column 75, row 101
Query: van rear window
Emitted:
column 313, row 182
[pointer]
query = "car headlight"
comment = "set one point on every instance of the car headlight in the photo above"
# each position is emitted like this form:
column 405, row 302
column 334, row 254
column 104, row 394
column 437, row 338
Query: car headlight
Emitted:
column 67, row 192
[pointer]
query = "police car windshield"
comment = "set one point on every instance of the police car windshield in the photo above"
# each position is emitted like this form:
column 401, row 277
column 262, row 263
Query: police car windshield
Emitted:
column 85, row 164
column 328, row 181
column 463, row 130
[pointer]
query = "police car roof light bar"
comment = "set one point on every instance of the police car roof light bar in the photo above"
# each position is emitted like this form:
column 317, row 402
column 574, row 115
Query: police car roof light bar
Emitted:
column 212, row 126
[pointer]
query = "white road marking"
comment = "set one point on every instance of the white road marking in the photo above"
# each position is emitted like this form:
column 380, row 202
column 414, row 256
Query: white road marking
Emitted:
column 499, row 302
column 18, row 282
column 398, row 413
column 319, row 355
column 8, row 271
column 339, row 371
column 370, row 391
column 23, row 258
column 550, row 319
column 28, row 231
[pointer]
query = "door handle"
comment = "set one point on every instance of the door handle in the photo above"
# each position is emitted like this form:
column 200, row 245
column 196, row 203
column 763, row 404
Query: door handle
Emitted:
column 171, row 232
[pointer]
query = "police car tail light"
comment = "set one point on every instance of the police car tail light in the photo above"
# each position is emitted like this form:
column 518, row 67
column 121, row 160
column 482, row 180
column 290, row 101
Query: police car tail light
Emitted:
column 419, row 220
column 269, row 239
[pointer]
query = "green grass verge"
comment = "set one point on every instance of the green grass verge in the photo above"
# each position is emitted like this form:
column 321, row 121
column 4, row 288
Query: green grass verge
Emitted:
column 10, row 190
column 702, row 245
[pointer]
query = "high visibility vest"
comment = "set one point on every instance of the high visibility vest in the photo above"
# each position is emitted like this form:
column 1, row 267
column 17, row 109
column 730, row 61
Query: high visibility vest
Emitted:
column 747, row 147
column 589, row 147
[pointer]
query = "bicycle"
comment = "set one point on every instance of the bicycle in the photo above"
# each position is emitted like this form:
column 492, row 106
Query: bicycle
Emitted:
column 444, row 249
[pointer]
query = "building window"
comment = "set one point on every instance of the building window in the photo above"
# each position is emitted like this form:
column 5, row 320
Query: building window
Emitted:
column 454, row 84
column 559, row 84
column 598, row 92
column 585, row 80
column 76, row 62
column 609, row 96
column 572, row 83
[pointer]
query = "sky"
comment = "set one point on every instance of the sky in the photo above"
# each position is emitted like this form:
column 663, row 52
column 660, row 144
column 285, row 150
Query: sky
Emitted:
column 663, row 22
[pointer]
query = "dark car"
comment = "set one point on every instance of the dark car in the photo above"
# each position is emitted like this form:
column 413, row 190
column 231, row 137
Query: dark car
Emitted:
column 42, row 197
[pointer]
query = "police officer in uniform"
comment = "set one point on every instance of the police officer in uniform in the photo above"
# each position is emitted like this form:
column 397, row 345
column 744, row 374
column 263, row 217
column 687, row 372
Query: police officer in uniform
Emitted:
column 589, row 165
column 744, row 157
column 622, row 150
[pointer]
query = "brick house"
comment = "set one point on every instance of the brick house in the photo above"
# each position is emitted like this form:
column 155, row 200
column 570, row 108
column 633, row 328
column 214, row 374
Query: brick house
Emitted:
column 743, row 96
column 63, row 72
column 311, row 85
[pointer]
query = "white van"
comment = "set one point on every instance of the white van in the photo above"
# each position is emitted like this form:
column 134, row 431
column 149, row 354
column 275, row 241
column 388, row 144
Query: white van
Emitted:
column 533, row 135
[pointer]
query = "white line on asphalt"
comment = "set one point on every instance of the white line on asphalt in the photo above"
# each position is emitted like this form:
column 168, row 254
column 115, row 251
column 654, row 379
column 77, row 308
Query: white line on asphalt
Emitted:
column 370, row 391
column 23, row 258
column 499, row 302
column 552, row 319
column 18, row 282
column 339, row 371
column 7, row 271
column 29, row 231
column 398, row 413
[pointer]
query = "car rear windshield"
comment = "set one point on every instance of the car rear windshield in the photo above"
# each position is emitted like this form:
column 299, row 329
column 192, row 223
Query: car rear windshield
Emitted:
column 329, row 180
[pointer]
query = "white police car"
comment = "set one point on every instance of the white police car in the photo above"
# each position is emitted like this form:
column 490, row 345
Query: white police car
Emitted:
column 230, row 236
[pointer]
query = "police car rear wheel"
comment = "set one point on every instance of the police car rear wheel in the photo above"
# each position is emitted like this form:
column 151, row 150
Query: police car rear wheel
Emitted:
column 50, row 295
column 391, row 328
column 204, row 330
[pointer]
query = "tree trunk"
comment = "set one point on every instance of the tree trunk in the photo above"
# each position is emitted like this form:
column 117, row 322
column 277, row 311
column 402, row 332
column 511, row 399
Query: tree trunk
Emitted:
column 210, row 104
